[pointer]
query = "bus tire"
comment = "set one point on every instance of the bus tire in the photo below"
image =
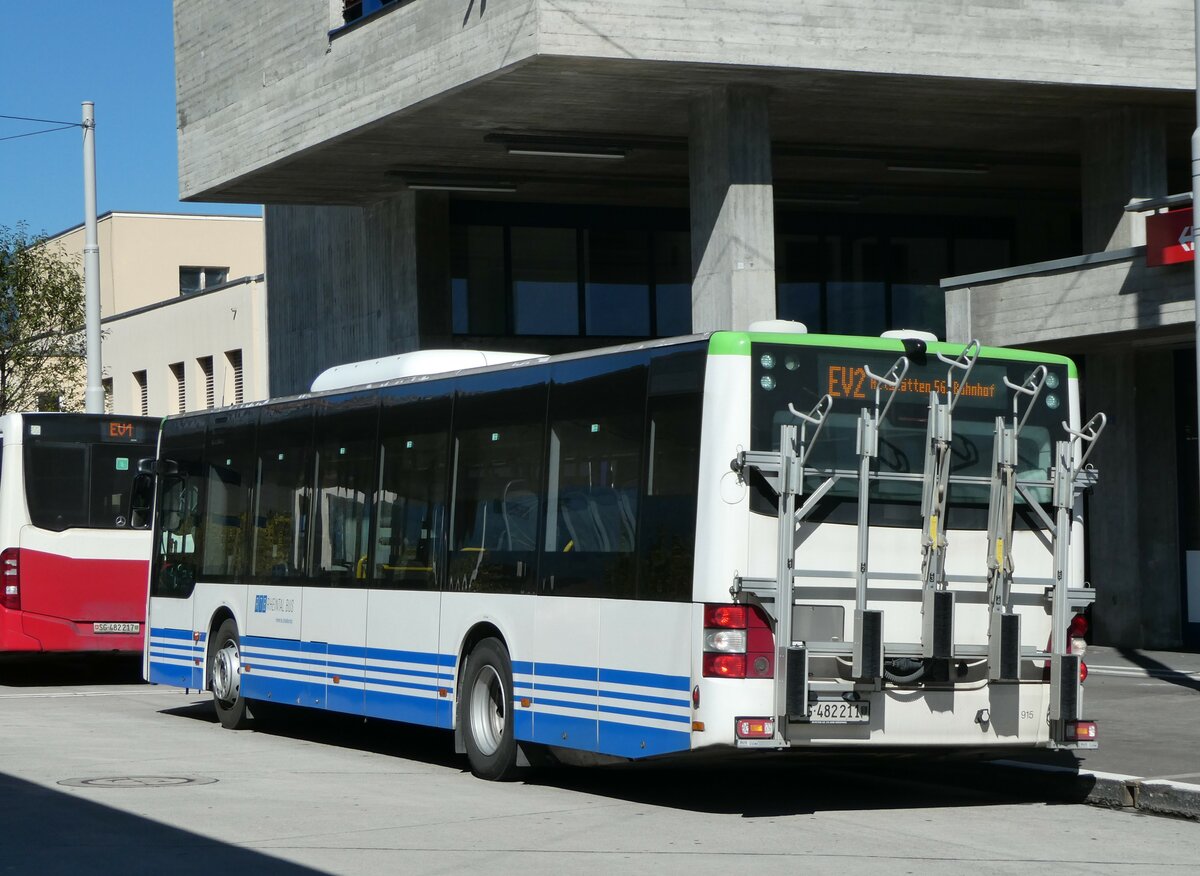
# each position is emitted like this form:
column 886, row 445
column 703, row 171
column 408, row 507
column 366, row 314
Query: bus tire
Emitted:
column 485, row 708
column 225, row 678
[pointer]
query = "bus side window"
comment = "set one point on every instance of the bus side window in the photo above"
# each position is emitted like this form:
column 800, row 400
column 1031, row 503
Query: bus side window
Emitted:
column 667, row 535
column 284, row 493
column 227, row 483
column 595, row 466
column 345, row 451
column 411, row 505
column 498, row 481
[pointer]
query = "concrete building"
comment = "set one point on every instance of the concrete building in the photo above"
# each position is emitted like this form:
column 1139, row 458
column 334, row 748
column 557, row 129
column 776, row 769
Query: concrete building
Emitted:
column 183, row 309
column 559, row 174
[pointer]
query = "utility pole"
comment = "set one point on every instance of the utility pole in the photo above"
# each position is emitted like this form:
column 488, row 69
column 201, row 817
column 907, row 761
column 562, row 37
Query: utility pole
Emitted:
column 94, row 395
column 1196, row 207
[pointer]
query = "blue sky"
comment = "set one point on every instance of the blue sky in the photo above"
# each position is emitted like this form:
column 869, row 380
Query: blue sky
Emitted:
column 119, row 54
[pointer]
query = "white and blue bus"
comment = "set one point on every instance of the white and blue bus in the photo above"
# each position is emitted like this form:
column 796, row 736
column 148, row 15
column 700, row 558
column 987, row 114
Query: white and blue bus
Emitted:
column 584, row 553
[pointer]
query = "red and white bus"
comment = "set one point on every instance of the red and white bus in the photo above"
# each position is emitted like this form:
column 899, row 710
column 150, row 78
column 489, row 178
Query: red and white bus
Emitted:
column 72, row 568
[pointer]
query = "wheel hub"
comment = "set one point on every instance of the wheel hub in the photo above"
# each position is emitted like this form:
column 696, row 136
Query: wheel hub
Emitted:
column 227, row 673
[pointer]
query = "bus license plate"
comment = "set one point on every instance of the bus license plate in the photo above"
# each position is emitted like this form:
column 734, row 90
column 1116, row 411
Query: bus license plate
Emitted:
column 839, row 711
column 116, row 628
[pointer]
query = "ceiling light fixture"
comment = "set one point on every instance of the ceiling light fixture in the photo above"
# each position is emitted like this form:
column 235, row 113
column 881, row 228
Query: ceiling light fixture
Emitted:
column 568, row 152
column 506, row 188
column 938, row 168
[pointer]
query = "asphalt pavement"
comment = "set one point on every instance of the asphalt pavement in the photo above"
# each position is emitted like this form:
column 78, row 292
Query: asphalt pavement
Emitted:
column 1147, row 705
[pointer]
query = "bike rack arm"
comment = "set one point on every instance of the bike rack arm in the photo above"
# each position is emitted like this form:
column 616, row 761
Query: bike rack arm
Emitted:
column 815, row 417
column 965, row 362
column 892, row 379
column 1032, row 387
column 1087, row 435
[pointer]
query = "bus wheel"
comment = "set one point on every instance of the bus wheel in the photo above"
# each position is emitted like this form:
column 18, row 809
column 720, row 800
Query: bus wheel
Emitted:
column 225, row 678
column 486, row 712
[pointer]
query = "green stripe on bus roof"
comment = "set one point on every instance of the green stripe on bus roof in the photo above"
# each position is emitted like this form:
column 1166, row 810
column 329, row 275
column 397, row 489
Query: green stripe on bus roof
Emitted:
column 738, row 344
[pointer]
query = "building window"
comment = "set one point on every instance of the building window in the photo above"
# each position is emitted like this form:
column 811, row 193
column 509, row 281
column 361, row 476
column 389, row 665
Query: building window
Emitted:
column 233, row 378
column 107, row 385
column 206, row 366
column 569, row 272
column 192, row 279
column 842, row 275
column 177, row 375
column 140, row 392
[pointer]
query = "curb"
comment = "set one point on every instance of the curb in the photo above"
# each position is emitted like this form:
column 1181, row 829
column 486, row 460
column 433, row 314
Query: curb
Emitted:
column 1157, row 796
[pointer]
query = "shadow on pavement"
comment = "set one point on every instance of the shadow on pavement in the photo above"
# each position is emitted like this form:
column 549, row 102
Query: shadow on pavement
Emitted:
column 61, row 670
column 753, row 785
column 51, row 832
column 1159, row 669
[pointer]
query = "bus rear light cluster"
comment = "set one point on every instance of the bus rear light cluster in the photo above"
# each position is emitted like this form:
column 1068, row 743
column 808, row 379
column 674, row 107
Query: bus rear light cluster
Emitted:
column 1080, row 731
column 755, row 728
column 738, row 642
column 1075, row 635
column 10, row 578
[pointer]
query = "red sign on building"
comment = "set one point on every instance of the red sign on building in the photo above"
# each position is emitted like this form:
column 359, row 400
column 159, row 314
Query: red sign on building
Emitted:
column 1170, row 238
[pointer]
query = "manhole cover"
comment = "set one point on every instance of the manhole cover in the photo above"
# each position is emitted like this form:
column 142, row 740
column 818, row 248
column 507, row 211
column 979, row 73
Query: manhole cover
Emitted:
column 137, row 782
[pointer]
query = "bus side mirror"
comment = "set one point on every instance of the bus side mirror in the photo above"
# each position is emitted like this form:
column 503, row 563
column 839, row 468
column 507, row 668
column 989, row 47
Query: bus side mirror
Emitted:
column 158, row 467
column 141, row 499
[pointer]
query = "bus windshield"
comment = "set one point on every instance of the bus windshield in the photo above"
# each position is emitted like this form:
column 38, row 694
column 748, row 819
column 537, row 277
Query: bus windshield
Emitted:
column 79, row 470
column 802, row 375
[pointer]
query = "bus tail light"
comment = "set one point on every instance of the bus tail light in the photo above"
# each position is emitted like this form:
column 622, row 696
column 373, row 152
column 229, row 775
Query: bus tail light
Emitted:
column 10, row 578
column 1075, row 635
column 1080, row 731
column 755, row 728
column 738, row 642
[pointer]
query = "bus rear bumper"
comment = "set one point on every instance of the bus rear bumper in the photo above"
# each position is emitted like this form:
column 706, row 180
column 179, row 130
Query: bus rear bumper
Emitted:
column 26, row 632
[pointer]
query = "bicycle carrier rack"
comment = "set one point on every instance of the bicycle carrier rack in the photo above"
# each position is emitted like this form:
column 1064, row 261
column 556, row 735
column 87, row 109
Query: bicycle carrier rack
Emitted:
column 786, row 471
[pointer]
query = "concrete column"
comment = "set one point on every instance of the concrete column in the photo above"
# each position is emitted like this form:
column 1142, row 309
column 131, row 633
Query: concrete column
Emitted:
column 732, row 210
column 1124, row 156
column 1133, row 514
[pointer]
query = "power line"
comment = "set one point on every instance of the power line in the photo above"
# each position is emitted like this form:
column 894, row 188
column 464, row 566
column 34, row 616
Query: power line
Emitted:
column 44, row 121
column 35, row 133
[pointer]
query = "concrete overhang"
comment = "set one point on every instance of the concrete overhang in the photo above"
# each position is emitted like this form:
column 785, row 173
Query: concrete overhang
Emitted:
column 857, row 107
column 1074, row 303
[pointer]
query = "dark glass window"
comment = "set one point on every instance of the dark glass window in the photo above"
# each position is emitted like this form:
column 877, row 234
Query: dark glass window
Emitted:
column 79, row 470
column 667, row 532
column 801, row 375
column 232, row 467
column 569, row 271
column 284, row 496
column 180, row 528
column 856, row 291
column 595, row 463
column 617, row 284
column 497, row 483
column 917, row 266
column 478, row 281
column 672, row 283
column 800, row 265
column 545, row 281
column 345, row 491
column 409, row 544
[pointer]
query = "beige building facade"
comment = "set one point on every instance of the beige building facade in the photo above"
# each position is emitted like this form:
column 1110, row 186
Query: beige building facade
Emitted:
column 183, row 310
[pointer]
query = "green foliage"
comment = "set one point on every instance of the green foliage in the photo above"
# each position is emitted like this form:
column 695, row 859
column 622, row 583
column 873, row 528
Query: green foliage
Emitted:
column 42, row 352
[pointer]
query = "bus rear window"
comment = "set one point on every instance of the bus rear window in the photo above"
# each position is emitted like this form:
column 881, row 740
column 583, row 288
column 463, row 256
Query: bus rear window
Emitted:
column 71, row 484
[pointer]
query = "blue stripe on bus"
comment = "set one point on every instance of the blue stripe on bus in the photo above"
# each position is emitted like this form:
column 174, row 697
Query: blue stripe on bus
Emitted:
column 565, row 670
column 165, row 633
column 631, row 740
column 642, row 698
column 410, row 700
column 645, row 679
column 637, row 713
